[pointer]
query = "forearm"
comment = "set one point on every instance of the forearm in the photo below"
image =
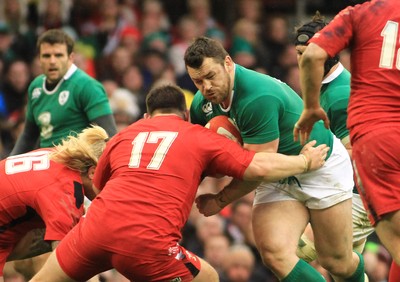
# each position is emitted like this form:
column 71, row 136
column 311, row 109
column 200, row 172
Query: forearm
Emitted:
column 311, row 74
column 108, row 123
column 234, row 191
column 270, row 167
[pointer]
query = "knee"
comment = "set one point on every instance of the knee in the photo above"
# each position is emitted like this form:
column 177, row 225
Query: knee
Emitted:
column 22, row 265
column 338, row 265
column 274, row 257
column 25, row 267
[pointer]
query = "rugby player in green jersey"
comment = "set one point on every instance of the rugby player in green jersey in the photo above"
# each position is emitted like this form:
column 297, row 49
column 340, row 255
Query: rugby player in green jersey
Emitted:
column 61, row 102
column 265, row 111
column 64, row 99
column 334, row 98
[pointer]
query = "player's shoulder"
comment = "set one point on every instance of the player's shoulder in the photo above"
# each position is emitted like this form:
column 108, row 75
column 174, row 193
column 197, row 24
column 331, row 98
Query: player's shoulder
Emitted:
column 252, row 84
column 81, row 81
column 37, row 81
column 80, row 75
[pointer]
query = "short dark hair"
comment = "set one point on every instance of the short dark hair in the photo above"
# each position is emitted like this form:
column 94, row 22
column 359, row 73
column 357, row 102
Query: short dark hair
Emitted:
column 204, row 47
column 56, row 36
column 166, row 99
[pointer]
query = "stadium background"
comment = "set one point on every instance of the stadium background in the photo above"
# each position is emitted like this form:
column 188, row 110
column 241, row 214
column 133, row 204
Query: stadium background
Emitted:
column 132, row 45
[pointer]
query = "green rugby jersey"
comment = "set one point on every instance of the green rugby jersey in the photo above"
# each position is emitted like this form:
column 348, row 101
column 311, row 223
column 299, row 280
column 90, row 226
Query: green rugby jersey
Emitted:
column 335, row 94
column 264, row 109
column 68, row 108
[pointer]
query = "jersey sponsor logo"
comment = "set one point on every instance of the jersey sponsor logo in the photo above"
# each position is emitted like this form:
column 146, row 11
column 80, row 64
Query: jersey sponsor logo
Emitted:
column 36, row 93
column 207, row 108
column 63, row 97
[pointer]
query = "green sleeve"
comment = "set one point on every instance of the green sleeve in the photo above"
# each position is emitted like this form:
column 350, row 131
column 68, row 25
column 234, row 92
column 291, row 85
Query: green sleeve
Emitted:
column 94, row 100
column 258, row 120
column 29, row 115
column 338, row 117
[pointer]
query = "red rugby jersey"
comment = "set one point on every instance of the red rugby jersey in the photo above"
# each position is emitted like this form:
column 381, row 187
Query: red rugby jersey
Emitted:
column 371, row 31
column 32, row 186
column 149, row 174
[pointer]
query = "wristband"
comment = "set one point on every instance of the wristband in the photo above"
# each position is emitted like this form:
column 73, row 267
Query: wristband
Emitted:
column 306, row 163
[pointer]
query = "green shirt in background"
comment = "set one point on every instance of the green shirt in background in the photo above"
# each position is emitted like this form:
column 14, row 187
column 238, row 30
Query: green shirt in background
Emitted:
column 68, row 108
column 335, row 94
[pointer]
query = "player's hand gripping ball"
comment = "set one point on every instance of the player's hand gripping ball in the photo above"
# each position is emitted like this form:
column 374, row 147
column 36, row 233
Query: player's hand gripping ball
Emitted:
column 226, row 127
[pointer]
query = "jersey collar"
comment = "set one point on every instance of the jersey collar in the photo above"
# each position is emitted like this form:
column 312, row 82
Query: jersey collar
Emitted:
column 70, row 72
column 227, row 109
column 333, row 75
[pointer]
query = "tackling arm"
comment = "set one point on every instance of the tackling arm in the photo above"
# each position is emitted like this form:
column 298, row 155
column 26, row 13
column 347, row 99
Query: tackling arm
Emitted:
column 266, row 167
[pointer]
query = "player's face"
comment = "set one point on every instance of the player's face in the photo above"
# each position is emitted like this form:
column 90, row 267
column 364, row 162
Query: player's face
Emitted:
column 213, row 80
column 54, row 61
column 300, row 50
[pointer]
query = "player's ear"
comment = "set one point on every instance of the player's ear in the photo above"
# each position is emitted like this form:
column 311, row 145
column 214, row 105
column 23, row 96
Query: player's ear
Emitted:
column 146, row 116
column 186, row 115
column 91, row 172
column 228, row 63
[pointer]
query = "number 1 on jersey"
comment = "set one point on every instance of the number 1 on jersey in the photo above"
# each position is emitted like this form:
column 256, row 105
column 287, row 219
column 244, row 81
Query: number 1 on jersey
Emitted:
column 388, row 52
column 167, row 138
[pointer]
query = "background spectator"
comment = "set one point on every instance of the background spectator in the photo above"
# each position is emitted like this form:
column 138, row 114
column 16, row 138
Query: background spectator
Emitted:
column 134, row 44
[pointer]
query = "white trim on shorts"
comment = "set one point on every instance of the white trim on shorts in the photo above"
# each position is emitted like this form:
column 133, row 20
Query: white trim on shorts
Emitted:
column 331, row 184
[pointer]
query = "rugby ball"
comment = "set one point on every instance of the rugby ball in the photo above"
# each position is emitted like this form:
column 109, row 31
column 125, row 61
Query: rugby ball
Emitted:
column 225, row 126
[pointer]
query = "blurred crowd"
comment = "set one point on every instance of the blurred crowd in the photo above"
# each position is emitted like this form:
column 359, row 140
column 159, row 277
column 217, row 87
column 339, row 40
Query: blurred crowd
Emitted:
column 132, row 45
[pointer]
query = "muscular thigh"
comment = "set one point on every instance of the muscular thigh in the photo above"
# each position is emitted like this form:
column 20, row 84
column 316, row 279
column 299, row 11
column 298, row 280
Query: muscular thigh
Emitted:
column 278, row 226
column 333, row 229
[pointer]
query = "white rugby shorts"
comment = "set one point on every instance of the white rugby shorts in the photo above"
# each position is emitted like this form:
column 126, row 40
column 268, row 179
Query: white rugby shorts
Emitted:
column 325, row 187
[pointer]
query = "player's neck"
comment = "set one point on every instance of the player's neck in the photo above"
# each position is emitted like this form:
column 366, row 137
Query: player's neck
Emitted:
column 226, row 104
column 51, row 85
column 178, row 114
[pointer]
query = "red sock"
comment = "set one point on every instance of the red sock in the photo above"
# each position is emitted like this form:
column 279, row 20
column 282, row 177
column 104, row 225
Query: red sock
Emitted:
column 394, row 274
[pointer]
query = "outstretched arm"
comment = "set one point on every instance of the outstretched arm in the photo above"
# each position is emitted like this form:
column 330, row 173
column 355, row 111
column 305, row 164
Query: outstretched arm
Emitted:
column 267, row 167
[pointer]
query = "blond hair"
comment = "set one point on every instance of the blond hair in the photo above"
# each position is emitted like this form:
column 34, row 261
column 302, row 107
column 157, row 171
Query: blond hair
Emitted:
column 82, row 151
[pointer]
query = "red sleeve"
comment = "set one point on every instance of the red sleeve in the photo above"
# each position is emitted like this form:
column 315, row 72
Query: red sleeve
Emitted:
column 338, row 34
column 229, row 158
